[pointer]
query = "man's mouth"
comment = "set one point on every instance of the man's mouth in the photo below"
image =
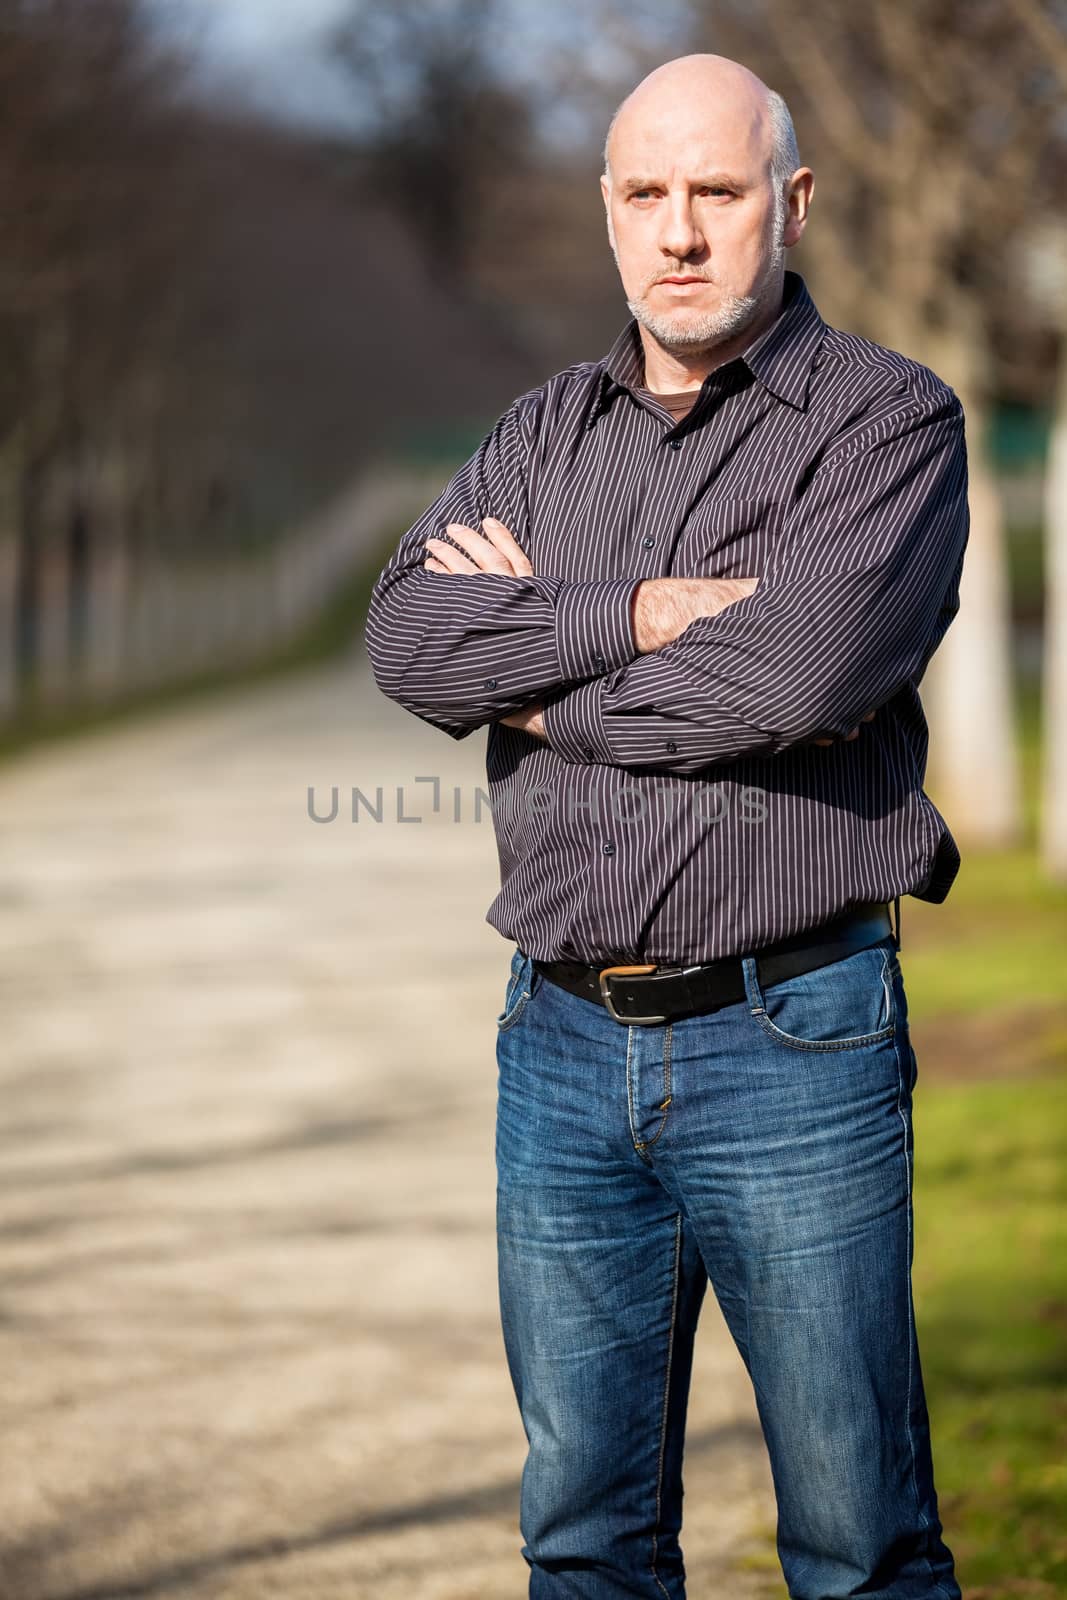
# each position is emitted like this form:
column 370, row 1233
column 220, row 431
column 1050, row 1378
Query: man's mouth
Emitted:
column 683, row 278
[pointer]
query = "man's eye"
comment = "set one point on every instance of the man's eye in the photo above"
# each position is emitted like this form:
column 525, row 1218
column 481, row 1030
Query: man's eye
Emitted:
column 643, row 194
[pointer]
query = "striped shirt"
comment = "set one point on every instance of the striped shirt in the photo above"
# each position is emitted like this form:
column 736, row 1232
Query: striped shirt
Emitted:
column 678, row 811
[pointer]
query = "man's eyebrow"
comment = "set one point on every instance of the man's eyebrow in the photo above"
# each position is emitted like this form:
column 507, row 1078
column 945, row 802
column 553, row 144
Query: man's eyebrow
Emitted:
column 714, row 180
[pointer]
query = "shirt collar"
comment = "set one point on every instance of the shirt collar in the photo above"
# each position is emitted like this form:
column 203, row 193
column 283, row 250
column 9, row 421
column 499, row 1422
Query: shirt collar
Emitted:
column 780, row 357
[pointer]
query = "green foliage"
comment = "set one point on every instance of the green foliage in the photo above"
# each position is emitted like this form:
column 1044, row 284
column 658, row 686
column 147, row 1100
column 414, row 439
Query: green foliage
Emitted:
column 991, row 1306
column 990, row 1270
column 1026, row 569
column 1002, row 945
column 1000, row 937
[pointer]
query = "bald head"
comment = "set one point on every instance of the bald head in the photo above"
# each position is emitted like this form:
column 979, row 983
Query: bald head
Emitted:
column 703, row 193
column 700, row 97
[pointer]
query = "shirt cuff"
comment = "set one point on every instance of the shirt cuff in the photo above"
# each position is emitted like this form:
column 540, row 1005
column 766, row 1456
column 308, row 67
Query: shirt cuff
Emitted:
column 594, row 627
column 574, row 726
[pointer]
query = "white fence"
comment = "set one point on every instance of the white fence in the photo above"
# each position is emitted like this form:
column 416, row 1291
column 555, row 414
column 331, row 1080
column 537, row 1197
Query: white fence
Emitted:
column 144, row 627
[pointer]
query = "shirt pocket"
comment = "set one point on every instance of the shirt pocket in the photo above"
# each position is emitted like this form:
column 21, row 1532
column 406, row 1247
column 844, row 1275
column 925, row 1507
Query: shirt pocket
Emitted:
column 729, row 538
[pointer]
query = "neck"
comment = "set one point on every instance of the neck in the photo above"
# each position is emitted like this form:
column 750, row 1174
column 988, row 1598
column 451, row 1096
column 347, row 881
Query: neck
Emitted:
column 678, row 371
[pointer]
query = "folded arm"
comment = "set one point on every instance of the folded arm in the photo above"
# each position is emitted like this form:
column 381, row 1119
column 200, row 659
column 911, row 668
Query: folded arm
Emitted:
column 462, row 649
column 864, row 587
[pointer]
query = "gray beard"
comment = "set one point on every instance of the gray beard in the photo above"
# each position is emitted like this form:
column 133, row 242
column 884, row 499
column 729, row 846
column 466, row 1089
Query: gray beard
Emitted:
column 705, row 329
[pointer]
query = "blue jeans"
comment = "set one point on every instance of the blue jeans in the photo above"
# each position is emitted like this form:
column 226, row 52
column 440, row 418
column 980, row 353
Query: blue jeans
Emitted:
column 766, row 1146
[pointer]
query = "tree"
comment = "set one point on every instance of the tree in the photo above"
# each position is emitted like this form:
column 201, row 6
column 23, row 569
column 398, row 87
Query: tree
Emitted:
column 929, row 119
column 442, row 125
column 1046, row 27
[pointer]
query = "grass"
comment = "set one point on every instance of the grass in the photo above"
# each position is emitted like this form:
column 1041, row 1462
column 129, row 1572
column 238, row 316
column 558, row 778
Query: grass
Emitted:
column 1000, row 938
column 990, row 1283
column 990, row 1275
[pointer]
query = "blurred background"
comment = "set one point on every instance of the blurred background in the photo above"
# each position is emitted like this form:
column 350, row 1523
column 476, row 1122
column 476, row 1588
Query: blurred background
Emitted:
column 269, row 271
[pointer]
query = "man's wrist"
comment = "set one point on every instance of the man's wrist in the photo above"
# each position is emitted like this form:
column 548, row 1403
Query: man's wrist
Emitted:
column 644, row 640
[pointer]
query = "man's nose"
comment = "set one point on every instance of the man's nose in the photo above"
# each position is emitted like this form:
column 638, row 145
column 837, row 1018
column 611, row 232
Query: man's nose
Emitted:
column 680, row 236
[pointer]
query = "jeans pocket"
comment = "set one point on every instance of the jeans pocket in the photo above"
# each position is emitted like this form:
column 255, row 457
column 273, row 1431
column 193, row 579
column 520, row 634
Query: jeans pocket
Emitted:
column 519, row 990
column 844, row 1005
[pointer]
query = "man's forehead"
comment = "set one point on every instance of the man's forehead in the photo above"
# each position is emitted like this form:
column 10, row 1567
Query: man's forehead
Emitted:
column 722, row 137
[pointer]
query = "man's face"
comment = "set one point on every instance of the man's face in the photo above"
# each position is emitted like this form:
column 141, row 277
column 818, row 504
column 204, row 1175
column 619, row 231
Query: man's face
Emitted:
column 691, row 198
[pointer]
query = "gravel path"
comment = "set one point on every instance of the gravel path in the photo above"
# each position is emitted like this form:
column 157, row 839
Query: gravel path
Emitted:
column 249, row 1338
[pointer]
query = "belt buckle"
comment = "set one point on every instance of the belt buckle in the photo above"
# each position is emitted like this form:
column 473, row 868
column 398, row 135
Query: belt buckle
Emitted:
column 605, row 991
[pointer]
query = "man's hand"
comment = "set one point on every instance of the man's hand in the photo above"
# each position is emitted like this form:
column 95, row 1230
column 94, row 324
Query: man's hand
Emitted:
column 528, row 718
column 853, row 735
column 495, row 550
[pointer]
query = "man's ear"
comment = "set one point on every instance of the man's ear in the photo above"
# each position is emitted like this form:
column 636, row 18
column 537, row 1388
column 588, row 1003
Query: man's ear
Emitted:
column 802, row 191
column 605, row 190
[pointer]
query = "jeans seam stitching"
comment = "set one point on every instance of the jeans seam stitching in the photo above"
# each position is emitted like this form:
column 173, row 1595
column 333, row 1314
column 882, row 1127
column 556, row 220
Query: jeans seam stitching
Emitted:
column 512, row 1016
column 667, row 1041
column 887, row 985
column 630, row 1095
column 666, row 1401
column 908, row 1298
column 796, row 1043
column 646, row 1143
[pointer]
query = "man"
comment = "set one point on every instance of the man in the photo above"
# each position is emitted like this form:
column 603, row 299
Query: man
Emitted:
column 692, row 588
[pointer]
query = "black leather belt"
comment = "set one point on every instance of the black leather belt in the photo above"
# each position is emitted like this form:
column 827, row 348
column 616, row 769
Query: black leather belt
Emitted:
column 653, row 994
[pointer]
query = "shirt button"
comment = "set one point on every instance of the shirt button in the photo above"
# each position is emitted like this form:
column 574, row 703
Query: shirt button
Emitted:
column 671, row 746
column 676, row 444
column 599, row 663
column 490, row 683
column 590, row 752
column 608, row 848
column 648, row 541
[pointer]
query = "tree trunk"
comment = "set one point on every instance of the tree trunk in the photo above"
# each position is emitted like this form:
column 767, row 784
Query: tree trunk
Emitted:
column 1054, row 667
column 968, row 688
column 10, row 467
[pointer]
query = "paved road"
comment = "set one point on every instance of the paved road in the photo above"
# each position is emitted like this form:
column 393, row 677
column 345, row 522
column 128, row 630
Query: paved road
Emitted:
column 249, row 1342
